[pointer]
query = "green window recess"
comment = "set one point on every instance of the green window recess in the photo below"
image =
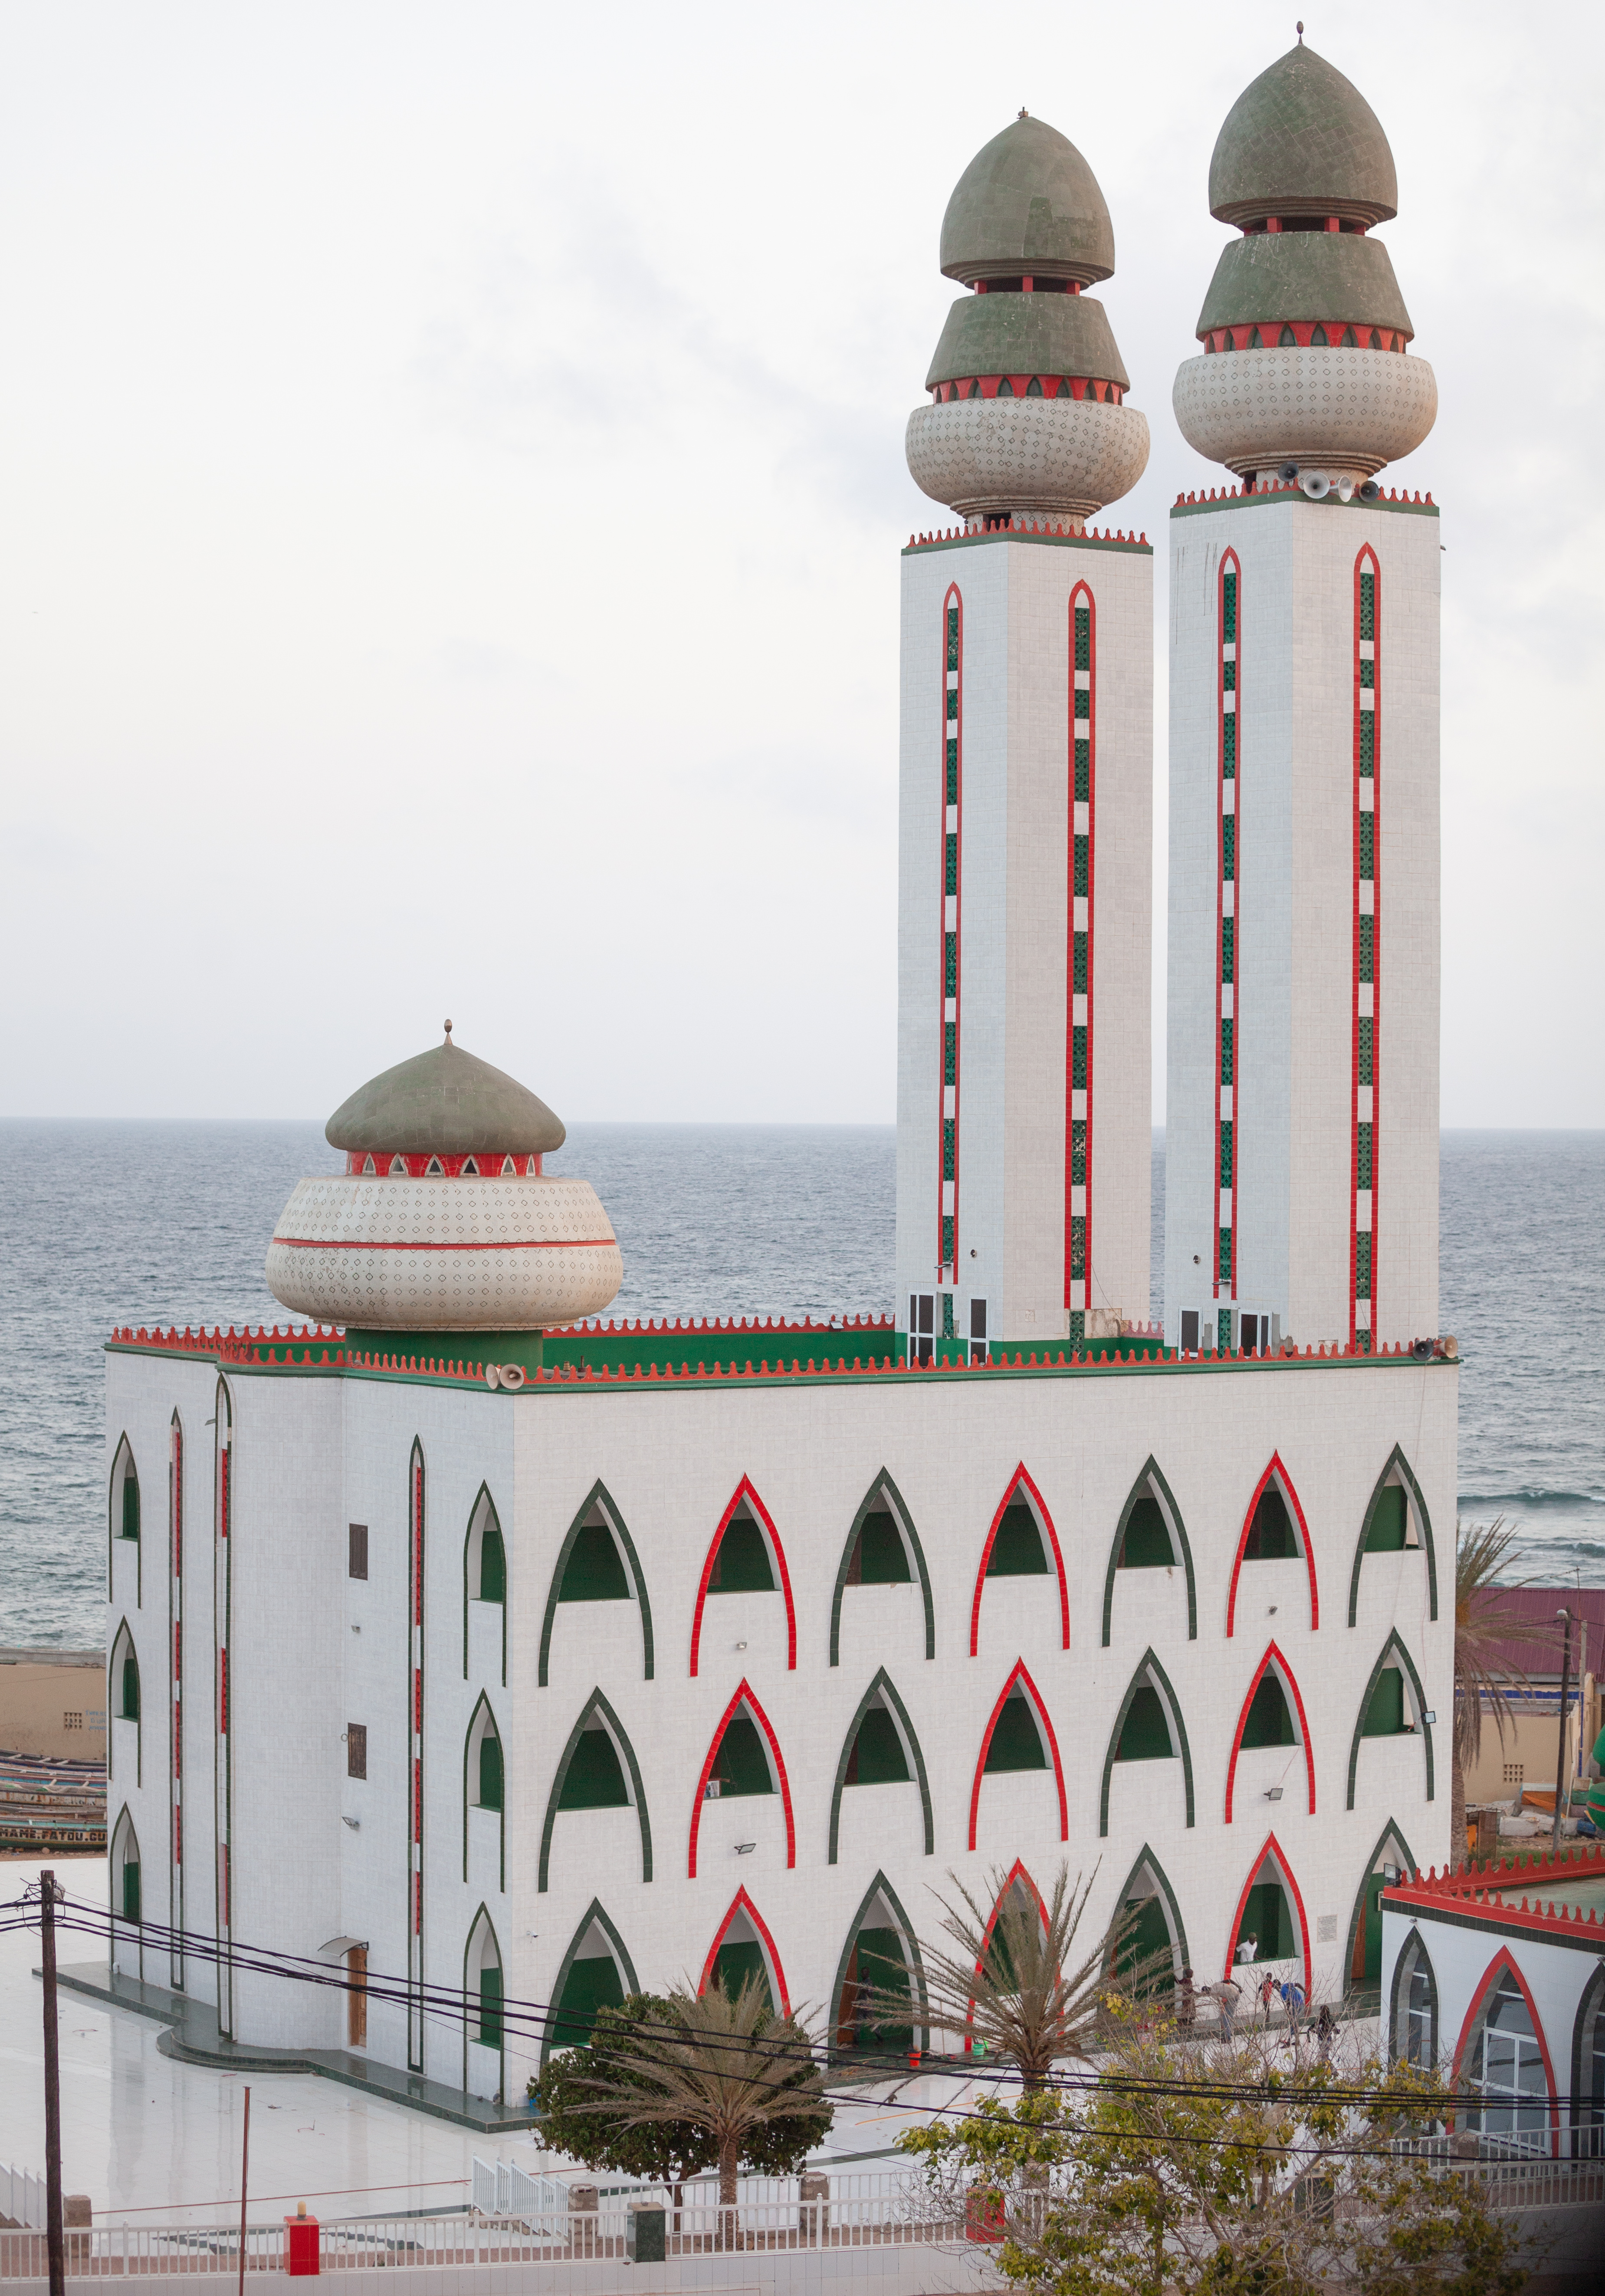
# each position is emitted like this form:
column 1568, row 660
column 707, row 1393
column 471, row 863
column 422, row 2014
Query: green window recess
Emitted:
column 1145, row 1737
column 947, row 1329
column 950, row 1028
column 1078, row 1059
column 875, row 1965
column 1368, row 847
column 1225, row 1131
column 1368, row 676
column 1287, row 340
column 490, row 2009
column 1079, row 1151
column 1005, row 389
column 1229, row 747
column 1227, row 1027
column 1034, row 388
column 734, row 1966
column 1229, row 677
column 1223, row 1327
column 950, row 965
column 595, row 1570
column 1363, row 1156
column 953, row 708
column 1078, row 1331
column 1083, row 638
column 1268, row 1917
column 1016, row 1741
column 1146, row 1941
column 1082, row 847
column 490, row 1771
column 130, row 1527
column 878, row 1557
column 1228, row 946
column 877, row 1759
column 1017, row 1550
column 130, row 1690
column 1225, row 1255
column 595, row 1777
column 948, row 1128
column 131, row 1912
column 1368, row 582
column 1363, row 1266
column 1271, row 1537
column 493, row 1567
column 1367, row 949
column 1229, row 848
column 1389, row 1521
column 591, row 1984
column 953, row 863
column 947, row 1262
column 1078, row 963
column 1079, row 1247
column 1228, row 608
column 953, row 773
column 741, row 1565
column 1368, row 744
column 1385, row 1717
column 1084, row 769
column 1367, row 1041
column 953, row 637
column 1147, row 1541
column 1270, row 1721
column 741, row 1766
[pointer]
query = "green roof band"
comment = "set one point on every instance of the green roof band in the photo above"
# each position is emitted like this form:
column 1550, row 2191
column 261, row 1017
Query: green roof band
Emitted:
column 1304, row 275
column 444, row 1103
column 1027, row 334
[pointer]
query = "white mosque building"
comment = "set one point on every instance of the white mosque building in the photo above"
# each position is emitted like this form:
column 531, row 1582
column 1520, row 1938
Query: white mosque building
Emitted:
column 485, row 1651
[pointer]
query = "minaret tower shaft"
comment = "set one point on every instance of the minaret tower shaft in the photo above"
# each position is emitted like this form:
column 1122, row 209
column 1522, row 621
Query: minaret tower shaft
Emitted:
column 1301, row 1190
column 1025, row 789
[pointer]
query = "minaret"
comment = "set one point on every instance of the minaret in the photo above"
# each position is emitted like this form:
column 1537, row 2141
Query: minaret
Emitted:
column 1026, row 788
column 1301, row 1189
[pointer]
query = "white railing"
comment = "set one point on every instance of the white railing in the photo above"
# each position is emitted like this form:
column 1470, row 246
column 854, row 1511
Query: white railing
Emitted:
column 22, row 2197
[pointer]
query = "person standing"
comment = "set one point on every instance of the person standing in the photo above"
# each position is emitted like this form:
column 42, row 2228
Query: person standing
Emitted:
column 1186, row 2007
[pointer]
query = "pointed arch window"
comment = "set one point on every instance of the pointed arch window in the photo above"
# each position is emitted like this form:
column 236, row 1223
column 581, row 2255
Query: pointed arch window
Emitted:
column 1157, row 1929
column 1021, row 1542
column 484, row 1575
column 881, row 1747
column 745, row 1557
column 1019, row 1735
column 746, row 1750
column 1274, row 1530
column 124, row 1517
column 597, row 1562
column 1393, row 1704
column 597, row 1769
column 1413, row 2025
column 881, row 1957
column 1272, row 1716
column 1149, row 1535
column 1502, row 2064
column 743, row 1948
column 596, row 1973
column 882, row 1549
column 1390, row 1858
column 128, row 1899
column 1270, row 1924
column 125, row 1735
column 1147, row 1729
column 1395, row 1521
column 1588, row 2073
column 484, row 2018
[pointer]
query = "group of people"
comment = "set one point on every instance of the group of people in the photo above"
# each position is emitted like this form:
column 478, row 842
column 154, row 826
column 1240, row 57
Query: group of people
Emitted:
column 1228, row 1996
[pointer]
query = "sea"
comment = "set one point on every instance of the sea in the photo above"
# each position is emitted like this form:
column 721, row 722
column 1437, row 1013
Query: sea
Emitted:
column 112, row 1223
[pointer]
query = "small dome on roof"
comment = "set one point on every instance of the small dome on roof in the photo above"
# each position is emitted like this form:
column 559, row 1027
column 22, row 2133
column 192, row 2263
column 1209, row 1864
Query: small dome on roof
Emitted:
column 1028, row 202
column 445, row 1103
column 1302, row 140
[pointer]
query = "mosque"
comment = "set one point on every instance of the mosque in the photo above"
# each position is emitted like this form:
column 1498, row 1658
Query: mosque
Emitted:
column 493, row 1652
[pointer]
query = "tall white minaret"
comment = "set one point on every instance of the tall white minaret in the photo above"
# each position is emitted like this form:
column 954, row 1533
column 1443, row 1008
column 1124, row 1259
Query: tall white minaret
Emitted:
column 1301, row 1164
column 1026, row 817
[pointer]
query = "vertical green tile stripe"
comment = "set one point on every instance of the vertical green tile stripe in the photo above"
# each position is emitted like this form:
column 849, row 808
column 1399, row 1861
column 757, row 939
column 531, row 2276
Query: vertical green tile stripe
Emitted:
column 1364, row 987
column 1226, row 1268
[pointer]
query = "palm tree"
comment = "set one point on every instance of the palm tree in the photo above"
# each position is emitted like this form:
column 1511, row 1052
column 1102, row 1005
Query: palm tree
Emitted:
column 1011, row 1981
column 1482, row 1676
column 728, row 2065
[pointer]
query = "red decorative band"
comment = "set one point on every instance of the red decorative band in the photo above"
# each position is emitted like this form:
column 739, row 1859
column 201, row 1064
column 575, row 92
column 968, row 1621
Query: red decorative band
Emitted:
column 533, row 1243
column 1028, row 386
column 1305, row 335
column 482, row 1164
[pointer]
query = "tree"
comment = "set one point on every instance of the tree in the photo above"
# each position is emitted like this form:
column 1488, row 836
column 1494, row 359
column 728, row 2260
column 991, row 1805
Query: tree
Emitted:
column 1011, row 1982
column 1482, row 1676
column 1227, row 2168
column 720, row 2071
column 663, row 2153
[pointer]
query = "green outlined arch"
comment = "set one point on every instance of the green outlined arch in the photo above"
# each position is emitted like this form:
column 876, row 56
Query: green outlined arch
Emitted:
column 882, row 1888
column 596, row 1913
column 906, row 1523
column 1584, row 2113
column 1401, row 1962
column 1394, row 1642
column 470, row 1996
column 599, row 1496
column 482, row 1703
column 1418, row 1498
column 884, row 1684
column 1164, row 1889
column 468, row 1539
column 124, row 1449
column 1153, row 1483
column 123, row 1648
column 1390, row 1832
column 1148, row 1664
column 596, row 1704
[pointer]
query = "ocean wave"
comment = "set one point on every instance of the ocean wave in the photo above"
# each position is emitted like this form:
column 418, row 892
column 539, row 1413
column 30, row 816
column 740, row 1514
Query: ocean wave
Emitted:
column 1525, row 1499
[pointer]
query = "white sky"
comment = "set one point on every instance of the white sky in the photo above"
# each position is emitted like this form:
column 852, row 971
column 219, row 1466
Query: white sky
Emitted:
column 450, row 492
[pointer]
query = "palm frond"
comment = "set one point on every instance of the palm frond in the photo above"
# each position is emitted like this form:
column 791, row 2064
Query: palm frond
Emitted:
column 1483, row 1675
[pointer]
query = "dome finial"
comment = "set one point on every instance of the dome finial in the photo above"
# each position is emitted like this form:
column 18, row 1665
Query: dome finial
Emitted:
column 448, row 1032
column 1299, row 29
column 1023, row 113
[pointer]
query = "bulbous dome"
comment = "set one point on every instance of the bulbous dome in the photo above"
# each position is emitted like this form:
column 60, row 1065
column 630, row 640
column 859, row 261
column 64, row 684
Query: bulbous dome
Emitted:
column 444, row 1103
column 1028, row 202
column 1302, row 140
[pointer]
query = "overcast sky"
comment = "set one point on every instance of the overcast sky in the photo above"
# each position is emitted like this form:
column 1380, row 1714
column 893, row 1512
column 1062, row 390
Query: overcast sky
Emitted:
column 452, row 487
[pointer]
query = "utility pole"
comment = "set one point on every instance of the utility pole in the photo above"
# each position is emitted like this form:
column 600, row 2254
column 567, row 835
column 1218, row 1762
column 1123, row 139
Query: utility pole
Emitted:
column 244, row 2172
column 54, row 2239
column 1560, row 1779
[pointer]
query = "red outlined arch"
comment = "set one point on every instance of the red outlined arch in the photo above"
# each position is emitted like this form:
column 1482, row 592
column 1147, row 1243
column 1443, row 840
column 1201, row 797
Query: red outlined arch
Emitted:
column 1284, row 1484
column 777, row 1556
column 743, row 1697
column 1022, row 1676
column 1019, row 1873
column 1272, row 1657
column 1080, row 595
column 1274, row 1851
column 1020, row 1480
column 1226, row 1277
column 742, row 1904
column 1502, row 1960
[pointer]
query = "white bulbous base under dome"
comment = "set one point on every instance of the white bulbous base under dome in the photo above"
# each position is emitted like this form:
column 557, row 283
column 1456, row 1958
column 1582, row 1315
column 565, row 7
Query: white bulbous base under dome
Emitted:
column 986, row 457
column 1347, row 413
column 444, row 1255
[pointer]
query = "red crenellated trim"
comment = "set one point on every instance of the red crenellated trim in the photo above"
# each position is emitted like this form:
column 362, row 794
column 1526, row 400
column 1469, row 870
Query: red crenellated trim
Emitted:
column 1218, row 339
column 744, row 1696
column 742, row 1904
column 487, row 1165
column 1021, row 1675
column 1502, row 1960
column 1284, row 1483
column 1272, row 1657
column 777, row 1555
column 1020, row 1480
column 1274, row 1850
column 1053, row 386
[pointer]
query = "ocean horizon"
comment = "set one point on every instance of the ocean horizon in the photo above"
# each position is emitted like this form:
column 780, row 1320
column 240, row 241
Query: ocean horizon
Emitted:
column 150, row 1221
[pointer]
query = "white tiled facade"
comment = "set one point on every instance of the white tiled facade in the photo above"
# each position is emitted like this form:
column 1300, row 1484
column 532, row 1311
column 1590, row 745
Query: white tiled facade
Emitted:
column 1296, row 901
column 312, row 1651
column 1015, row 1006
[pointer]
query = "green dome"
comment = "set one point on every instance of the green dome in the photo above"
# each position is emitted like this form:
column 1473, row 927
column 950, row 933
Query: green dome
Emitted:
column 1302, row 140
column 1027, row 203
column 1027, row 334
column 1304, row 275
column 445, row 1103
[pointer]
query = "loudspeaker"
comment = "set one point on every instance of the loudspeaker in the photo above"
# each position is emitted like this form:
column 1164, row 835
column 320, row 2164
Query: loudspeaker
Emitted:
column 1316, row 485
